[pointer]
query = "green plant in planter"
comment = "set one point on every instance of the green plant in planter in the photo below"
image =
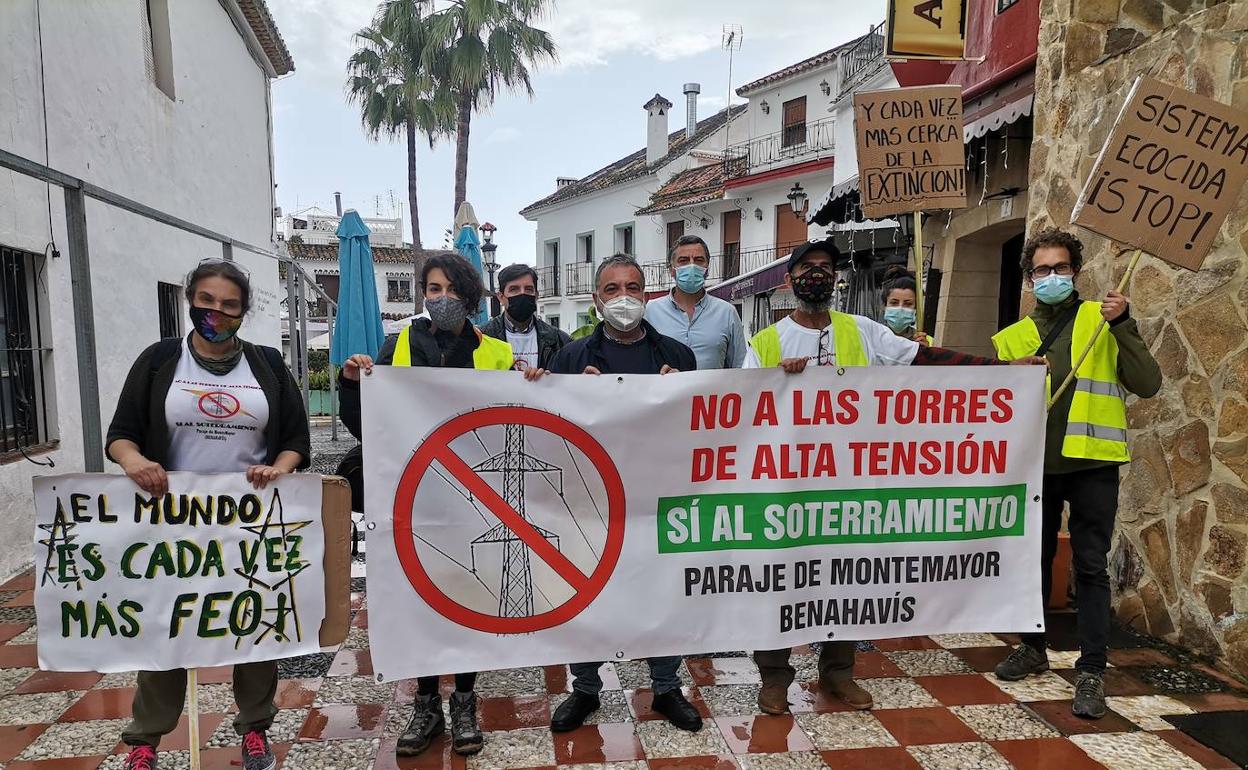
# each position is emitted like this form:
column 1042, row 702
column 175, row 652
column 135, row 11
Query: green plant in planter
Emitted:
column 588, row 328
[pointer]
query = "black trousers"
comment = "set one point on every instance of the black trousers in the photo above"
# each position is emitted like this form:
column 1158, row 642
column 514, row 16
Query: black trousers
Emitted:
column 1093, row 498
column 428, row 685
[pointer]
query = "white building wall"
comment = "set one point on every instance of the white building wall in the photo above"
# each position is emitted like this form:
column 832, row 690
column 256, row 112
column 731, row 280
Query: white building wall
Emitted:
column 204, row 157
column 776, row 94
column 843, row 111
column 598, row 213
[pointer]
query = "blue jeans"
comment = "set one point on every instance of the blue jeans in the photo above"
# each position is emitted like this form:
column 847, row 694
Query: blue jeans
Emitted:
column 663, row 676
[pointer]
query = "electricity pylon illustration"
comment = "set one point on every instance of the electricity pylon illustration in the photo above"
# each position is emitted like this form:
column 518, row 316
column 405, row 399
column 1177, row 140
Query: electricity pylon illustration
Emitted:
column 515, row 595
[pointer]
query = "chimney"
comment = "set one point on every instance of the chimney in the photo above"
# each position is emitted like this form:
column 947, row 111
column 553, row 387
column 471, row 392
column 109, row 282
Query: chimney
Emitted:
column 691, row 109
column 563, row 181
column 338, row 202
column 656, row 129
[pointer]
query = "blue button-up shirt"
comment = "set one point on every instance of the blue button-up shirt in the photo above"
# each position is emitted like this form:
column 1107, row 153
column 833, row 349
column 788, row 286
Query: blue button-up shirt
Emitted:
column 714, row 333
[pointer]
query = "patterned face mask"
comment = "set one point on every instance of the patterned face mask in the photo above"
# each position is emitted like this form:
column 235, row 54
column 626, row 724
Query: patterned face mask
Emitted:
column 213, row 325
column 814, row 286
column 447, row 313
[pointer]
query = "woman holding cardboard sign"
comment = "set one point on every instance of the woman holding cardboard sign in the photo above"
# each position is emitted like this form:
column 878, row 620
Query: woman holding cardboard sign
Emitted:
column 258, row 427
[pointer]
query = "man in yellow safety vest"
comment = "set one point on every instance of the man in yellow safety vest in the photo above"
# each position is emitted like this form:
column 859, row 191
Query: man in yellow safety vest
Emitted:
column 814, row 333
column 1085, row 442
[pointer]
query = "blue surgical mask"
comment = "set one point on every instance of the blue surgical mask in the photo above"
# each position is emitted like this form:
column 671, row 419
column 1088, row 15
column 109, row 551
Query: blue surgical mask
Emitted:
column 690, row 278
column 1054, row 289
column 899, row 318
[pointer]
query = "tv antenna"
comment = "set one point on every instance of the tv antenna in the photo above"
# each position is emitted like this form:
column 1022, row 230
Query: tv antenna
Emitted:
column 731, row 42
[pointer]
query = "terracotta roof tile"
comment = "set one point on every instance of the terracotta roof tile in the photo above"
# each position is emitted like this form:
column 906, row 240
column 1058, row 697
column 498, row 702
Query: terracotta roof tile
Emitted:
column 633, row 166
column 265, row 30
column 381, row 254
column 690, row 187
column 818, row 60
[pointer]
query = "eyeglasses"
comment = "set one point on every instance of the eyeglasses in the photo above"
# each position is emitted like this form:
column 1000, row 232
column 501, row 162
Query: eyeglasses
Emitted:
column 826, row 357
column 223, row 261
column 1044, row 271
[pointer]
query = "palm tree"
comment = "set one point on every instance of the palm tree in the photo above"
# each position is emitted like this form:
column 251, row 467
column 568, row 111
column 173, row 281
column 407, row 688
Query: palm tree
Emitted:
column 477, row 47
column 388, row 80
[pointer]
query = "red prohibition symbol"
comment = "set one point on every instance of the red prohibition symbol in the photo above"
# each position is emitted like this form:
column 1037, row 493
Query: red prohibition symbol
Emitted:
column 219, row 405
column 437, row 448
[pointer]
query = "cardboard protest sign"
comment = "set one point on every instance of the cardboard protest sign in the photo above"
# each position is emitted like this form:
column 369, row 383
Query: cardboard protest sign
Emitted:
column 926, row 29
column 520, row 524
column 212, row 573
column 910, row 152
column 1169, row 173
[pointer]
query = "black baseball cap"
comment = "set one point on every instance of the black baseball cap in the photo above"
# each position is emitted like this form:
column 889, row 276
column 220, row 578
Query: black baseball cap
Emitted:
column 826, row 246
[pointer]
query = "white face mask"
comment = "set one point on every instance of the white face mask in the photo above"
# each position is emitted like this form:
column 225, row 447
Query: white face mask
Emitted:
column 623, row 313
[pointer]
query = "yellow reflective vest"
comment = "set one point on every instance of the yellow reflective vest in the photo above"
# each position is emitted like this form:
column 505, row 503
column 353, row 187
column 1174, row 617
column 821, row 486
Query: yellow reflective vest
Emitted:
column 490, row 353
column 1096, row 426
column 847, row 340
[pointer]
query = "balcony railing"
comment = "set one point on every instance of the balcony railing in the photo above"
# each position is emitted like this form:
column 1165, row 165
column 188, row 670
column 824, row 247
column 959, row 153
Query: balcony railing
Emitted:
column 548, row 283
column 794, row 144
column 578, row 278
column 860, row 61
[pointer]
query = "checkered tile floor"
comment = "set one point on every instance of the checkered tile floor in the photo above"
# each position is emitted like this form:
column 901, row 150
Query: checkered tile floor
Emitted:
column 936, row 708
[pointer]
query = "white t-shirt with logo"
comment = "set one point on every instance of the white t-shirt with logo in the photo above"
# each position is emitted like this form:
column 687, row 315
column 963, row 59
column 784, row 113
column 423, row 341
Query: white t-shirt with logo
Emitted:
column 524, row 345
column 881, row 346
column 216, row 423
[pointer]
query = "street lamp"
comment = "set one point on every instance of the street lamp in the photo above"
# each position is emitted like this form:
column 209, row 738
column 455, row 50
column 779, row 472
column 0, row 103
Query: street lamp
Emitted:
column 797, row 199
column 488, row 247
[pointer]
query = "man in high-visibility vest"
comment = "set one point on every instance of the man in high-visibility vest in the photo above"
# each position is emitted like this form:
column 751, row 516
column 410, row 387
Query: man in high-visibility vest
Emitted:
column 1085, row 442
column 814, row 333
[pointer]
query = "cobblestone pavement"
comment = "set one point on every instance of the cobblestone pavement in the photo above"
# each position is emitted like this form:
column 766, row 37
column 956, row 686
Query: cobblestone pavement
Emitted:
column 936, row 708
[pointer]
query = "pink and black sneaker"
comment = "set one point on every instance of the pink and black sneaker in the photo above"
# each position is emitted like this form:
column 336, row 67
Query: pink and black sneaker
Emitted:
column 257, row 754
column 141, row 757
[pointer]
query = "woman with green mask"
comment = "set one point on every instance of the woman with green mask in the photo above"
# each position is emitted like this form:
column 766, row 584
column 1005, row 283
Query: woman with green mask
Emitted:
column 900, row 301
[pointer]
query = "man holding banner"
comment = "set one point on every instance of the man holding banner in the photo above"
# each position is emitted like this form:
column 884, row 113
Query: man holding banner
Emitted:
column 816, row 333
column 624, row 343
column 1085, row 442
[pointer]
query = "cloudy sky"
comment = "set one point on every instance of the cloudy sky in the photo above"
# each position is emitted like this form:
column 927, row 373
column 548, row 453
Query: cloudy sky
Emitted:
column 614, row 55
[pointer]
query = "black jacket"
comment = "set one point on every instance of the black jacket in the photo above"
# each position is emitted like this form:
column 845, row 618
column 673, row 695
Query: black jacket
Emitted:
column 425, row 352
column 587, row 351
column 549, row 339
column 140, row 415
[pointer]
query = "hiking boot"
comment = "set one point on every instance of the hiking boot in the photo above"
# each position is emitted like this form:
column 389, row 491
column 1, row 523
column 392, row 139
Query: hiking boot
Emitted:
column 848, row 691
column 679, row 711
column 141, row 757
column 257, row 754
column 773, row 699
column 465, row 734
column 426, row 724
column 1024, row 660
column 1089, row 696
column 573, row 712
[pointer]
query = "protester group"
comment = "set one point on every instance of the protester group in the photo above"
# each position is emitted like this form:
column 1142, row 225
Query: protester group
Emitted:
column 687, row 329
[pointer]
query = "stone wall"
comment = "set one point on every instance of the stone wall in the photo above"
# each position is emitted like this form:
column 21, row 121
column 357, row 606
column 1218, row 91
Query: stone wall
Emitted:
column 1179, row 557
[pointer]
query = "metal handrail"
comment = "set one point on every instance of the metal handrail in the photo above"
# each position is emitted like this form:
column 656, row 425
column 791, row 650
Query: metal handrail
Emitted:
column 861, row 58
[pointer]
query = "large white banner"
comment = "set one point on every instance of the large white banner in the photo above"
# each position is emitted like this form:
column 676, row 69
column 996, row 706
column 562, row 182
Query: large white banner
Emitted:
column 589, row 518
column 214, row 572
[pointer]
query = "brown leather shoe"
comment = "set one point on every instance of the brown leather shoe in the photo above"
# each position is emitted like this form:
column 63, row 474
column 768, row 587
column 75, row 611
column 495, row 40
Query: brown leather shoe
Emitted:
column 848, row 691
column 773, row 699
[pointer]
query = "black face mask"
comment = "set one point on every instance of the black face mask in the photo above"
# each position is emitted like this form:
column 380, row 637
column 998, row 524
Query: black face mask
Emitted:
column 521, row 307
column 815, row 285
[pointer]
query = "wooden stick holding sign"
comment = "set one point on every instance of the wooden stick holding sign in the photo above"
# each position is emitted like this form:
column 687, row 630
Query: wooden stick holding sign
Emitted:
column 918, row 272
column 192, row 716
column 1165, row 180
